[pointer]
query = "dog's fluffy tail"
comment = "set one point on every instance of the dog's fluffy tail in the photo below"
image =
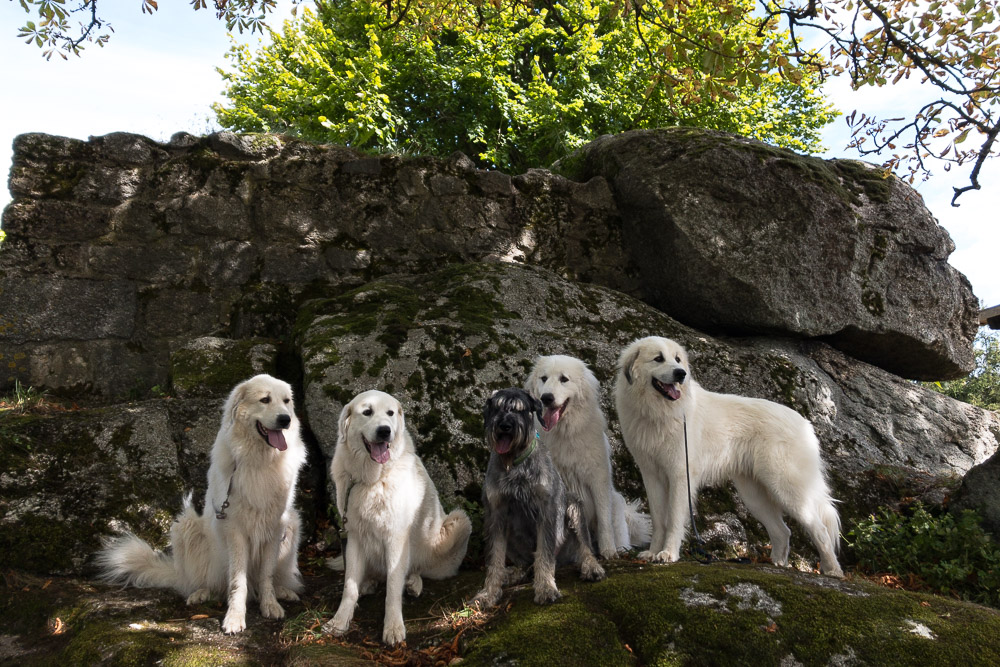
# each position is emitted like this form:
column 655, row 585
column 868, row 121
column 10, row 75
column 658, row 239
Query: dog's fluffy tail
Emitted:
column 640, row 526
column 128, row 560
column 336, row 564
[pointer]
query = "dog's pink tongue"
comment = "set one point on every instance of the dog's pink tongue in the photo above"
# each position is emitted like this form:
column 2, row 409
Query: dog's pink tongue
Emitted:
column 379, row 451
column 276, row 439
column 503, row 444
column 673, row 392
column 551, row 418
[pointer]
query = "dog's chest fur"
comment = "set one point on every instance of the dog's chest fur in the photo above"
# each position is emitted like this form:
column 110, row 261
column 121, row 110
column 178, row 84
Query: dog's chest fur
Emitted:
column 389, row 503
column 523, row 493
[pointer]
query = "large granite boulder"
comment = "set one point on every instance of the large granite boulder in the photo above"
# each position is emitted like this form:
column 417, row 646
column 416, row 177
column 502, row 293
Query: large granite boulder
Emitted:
column 441, row 342
column 120, row 249
column 733, row 236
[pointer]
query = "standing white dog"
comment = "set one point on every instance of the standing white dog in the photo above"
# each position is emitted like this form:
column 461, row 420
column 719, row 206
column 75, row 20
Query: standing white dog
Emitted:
column 574, row 431
column 397, row 531
column 769, row 451
column 247, row 539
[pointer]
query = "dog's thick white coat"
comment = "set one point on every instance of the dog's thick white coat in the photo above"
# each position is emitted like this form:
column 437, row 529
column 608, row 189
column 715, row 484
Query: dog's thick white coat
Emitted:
column 254, row 549
column 397, row 531
column 575, row 432
column 769, row 451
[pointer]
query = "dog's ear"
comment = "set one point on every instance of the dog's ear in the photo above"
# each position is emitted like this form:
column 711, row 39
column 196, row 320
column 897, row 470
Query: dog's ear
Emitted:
column 537, row 408
column 236, row 397
column 343, row 422
column 488, row 405
column 628, row 363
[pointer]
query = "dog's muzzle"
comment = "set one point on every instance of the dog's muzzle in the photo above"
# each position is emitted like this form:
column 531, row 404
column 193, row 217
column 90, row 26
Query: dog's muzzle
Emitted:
column 275, row 437
column 553, row 413
column 503, row 436
column 672, row 390
column 378, row 449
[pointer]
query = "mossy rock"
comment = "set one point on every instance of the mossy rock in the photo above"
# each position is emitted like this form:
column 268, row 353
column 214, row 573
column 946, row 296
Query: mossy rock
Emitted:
column 70, row 475
column 685, row 613
column 212, row 366
column 726, row 614
column 732, row 235
column 441, row 342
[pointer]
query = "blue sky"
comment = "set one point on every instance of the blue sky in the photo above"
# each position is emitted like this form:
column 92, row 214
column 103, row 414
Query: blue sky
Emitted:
column 157, row 76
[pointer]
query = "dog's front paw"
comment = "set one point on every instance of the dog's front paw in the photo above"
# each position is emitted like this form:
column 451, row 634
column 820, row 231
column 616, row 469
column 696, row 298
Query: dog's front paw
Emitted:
column 271, row 609
column 199, row 596
column 337, row 626
column 485, row 599
column 283, row 593
column 234, row 622
column 547, row 595
column 663, row 557
column 393, row 633
column 592, row 571
column 610, row 552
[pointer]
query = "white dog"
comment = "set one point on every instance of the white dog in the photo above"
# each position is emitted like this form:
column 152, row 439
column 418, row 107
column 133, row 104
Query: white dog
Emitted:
column 574, row 431
column 247, row 539
column 769, row 451
column 397, row 531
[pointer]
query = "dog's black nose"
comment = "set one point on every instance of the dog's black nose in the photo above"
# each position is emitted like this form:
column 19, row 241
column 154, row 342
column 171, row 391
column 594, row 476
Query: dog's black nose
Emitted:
column 283, row 421
column 679, row 374
column 383, row 433
column 547, row 399
column 505, row 427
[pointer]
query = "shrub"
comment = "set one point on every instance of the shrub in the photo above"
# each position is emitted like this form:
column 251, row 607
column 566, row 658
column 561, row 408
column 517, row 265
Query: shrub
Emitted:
column 945, row 553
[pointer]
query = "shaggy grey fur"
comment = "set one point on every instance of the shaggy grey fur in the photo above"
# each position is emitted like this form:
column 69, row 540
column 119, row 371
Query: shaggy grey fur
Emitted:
column 529, row 518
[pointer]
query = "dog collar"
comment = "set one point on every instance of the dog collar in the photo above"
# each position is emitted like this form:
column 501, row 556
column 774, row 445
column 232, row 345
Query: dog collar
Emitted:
column 526, row 453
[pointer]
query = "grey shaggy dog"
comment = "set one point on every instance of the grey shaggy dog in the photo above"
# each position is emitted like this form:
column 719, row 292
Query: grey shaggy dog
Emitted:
column 529, row 517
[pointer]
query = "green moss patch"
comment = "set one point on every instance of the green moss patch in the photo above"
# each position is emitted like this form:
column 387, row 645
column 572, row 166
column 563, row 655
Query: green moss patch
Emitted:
column 688, row 613
column 213, row 367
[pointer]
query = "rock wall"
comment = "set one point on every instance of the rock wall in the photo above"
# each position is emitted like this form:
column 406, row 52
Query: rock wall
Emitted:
column 168, row 272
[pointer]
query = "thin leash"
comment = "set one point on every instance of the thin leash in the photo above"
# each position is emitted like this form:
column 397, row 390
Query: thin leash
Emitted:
column 342, row 527
column 698, row 549
column 220, row 514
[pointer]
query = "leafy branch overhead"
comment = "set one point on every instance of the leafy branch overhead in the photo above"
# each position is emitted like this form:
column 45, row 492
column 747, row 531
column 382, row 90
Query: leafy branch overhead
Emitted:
column 704, row 61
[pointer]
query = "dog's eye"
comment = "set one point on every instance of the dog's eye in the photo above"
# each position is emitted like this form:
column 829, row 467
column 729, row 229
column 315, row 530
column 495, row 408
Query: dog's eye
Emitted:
column 287, row 401
column 677, row 358
column 367, row 412
column 266, row 399
column 390, row 412
column 563, row 378
column 659, row 358
column 545, row 378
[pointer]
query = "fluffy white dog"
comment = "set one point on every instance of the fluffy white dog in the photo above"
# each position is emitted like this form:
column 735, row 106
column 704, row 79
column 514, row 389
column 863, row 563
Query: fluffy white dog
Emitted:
column 247, row 539
column 397, row 531
column 769, row 451
column 574, row 431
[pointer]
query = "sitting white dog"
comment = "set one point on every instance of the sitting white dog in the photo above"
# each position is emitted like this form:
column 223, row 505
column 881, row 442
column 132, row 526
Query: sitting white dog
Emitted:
column 246, row 541
column 767, row 450
column 397, row 531
column 574, row 431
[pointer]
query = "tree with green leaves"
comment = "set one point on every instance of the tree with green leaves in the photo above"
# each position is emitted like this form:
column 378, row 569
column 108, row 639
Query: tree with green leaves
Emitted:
column 982, row 386
column 949, row 45
column 513, row 87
